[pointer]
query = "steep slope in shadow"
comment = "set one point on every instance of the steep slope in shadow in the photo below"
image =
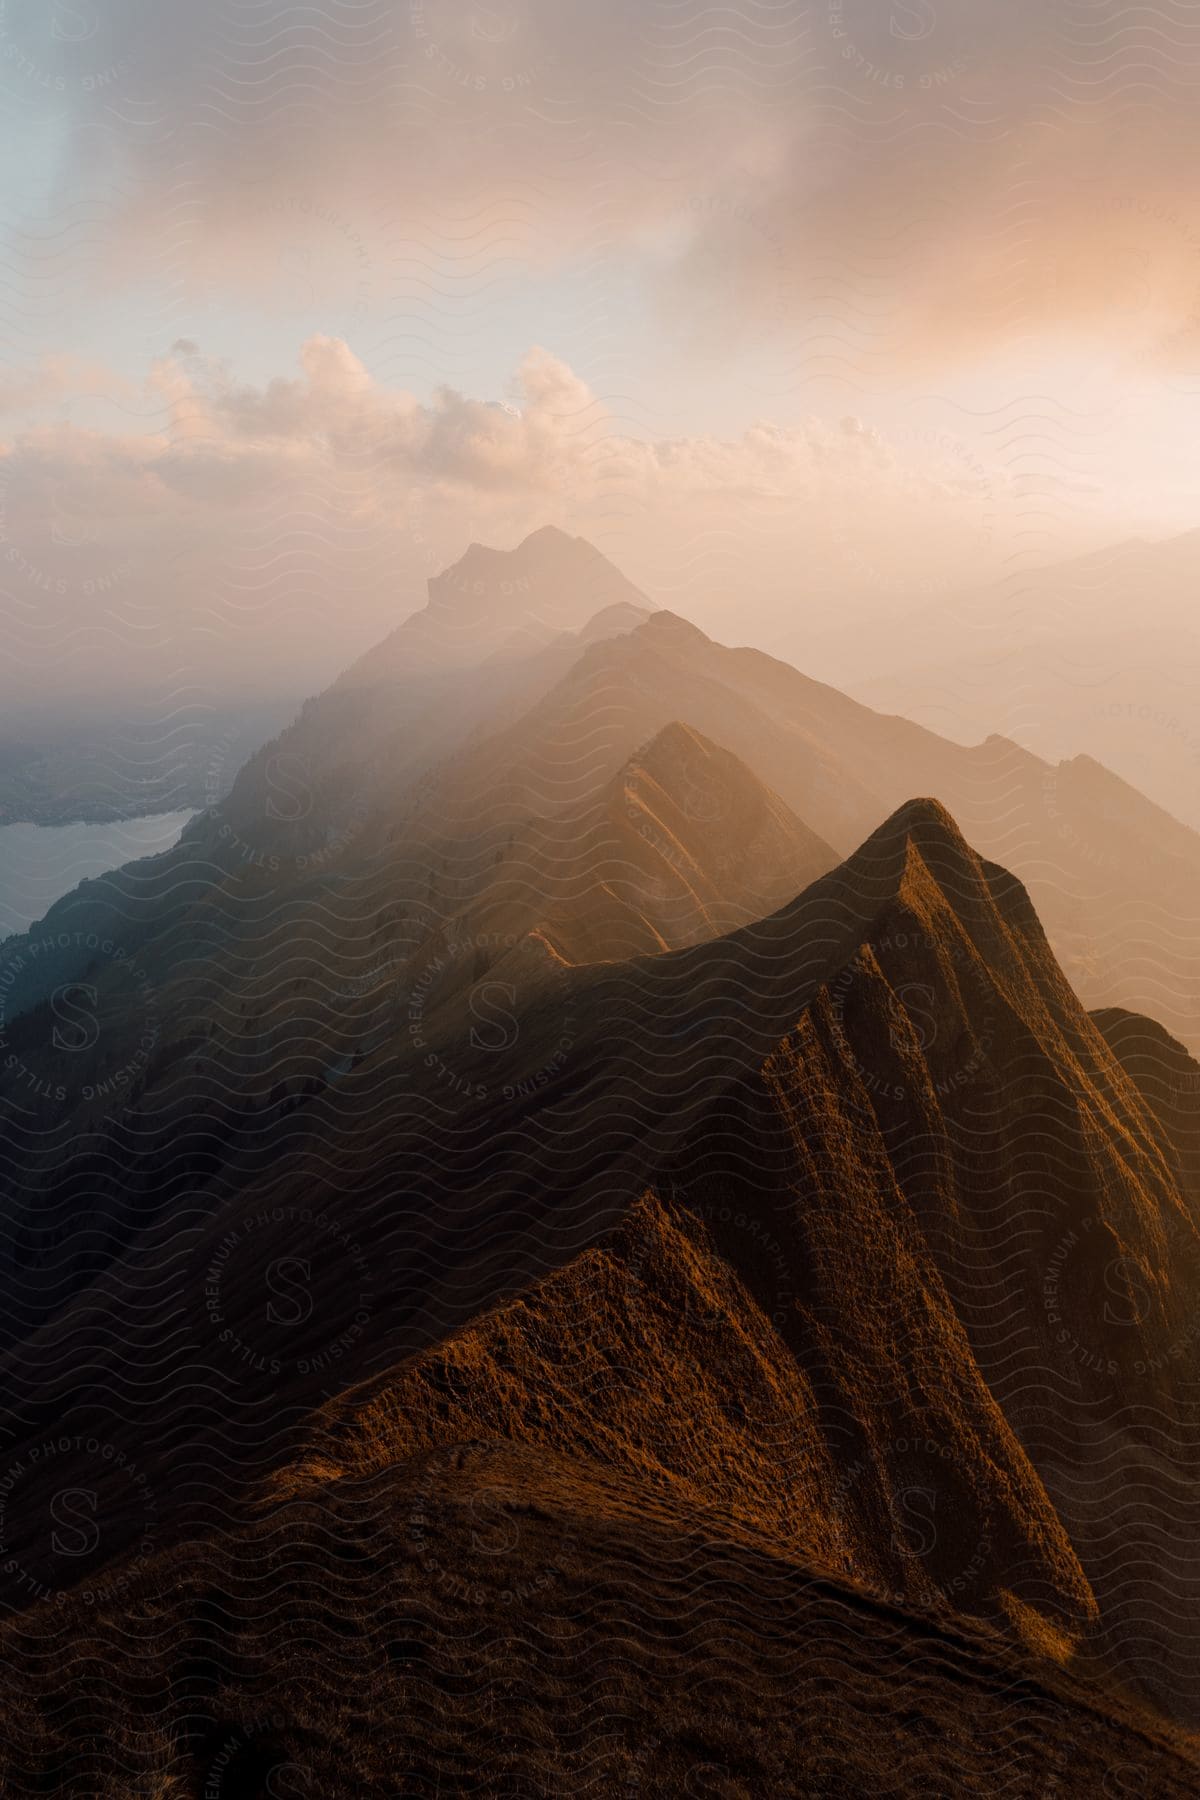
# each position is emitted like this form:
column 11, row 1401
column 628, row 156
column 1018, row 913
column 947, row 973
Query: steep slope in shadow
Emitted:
column 195, row 1070
column 887, row 1106
column 239, row 977
column 976, row 1086
column 648, row 1355
column 495, row 1622
column 1166, row 1076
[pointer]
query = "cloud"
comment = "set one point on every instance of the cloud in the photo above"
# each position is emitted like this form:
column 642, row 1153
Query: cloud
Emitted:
column 891, row 183
column 53, row 380
column 240, row 538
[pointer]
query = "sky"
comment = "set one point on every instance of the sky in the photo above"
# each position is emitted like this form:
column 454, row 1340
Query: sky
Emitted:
column 811, row 316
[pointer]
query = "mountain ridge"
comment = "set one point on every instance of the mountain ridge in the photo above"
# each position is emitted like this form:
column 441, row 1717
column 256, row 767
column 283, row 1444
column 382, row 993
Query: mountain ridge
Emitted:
column 895, row 1011
column 553, row 1136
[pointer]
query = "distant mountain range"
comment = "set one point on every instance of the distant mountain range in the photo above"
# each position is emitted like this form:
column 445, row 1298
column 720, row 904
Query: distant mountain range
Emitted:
column 405, row 781
column 1100, row 655
column 575, row 1237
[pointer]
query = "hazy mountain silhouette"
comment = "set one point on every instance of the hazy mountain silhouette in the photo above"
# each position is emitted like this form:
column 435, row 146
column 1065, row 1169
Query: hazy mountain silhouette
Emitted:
column 564, row 1215
column 475, row 746
column 1099, row 654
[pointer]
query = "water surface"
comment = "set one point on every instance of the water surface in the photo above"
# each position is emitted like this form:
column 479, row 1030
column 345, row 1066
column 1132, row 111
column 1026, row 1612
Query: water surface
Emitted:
column 40, row 863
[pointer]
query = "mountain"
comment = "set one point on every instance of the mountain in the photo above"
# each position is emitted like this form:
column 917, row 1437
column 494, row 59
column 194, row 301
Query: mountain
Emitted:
column 523, row 1272
column 1113, row 876
column 528, row 1628
column 681, row 844
column 1099, row 655
column 422, row 759
column 819, row 1319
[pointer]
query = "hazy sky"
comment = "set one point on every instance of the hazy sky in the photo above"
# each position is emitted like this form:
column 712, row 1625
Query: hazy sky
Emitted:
column 808, row 315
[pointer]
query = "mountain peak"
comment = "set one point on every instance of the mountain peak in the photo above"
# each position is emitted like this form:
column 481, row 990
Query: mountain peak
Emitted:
column 998, row 747
column 923, row 817
column 918, row 858
column 550, row 535
column 665, row 624
column 675, row 739
column 614, row 621
column 703, row 792
column 922, row 823
column 560, row 581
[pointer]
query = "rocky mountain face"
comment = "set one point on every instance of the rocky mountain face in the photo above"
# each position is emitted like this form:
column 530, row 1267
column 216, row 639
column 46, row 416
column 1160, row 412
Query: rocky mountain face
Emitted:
column 800, row 1248
column 584, row 1290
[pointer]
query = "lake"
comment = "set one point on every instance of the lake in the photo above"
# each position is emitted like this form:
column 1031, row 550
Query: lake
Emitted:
column 40, row 863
